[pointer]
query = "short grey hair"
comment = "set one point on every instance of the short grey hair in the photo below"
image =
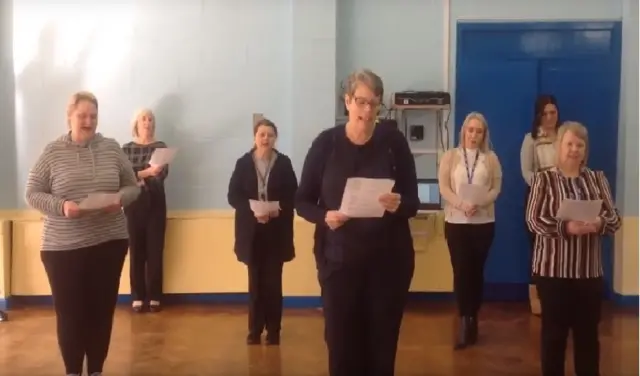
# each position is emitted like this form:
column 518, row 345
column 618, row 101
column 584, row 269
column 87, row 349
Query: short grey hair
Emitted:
column 364, row 77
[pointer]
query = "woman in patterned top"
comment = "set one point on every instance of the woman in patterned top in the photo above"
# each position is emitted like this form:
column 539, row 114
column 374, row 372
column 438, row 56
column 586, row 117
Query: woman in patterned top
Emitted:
column 147, row 217
column 567, row 259
column 537, row 154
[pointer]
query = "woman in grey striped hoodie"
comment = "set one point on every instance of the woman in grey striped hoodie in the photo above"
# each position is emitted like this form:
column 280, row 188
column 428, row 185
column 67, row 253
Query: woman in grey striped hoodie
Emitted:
column 83, row 251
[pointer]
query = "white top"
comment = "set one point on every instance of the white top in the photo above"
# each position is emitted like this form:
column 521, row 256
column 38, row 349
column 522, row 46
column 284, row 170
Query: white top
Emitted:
column 546, row 153
column 480, row 177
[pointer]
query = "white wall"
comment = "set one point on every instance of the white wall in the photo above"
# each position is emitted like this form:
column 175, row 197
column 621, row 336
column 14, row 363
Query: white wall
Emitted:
column 203, row 66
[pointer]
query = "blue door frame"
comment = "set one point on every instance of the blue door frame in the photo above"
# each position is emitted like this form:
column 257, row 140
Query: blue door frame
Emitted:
column 500, row 68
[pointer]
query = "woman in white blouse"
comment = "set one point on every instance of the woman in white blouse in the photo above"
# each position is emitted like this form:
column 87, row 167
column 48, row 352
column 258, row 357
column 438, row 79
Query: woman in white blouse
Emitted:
column 538, row 153
column 470, row 178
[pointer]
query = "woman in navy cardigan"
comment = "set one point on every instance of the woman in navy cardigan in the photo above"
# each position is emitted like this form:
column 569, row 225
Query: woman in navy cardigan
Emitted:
column 264, row 242
column 365, row 265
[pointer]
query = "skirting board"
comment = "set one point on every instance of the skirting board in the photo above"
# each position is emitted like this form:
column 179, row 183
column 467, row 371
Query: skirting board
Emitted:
column 493, row 292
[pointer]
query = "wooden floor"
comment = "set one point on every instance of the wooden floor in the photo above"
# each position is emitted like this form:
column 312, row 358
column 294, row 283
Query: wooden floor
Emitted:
column 209, row 341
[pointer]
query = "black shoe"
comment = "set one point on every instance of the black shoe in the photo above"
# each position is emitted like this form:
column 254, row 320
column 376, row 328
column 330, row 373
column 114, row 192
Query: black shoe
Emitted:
column 3, row 316
column 473, row 330
column 463, row 333
column 273, row 339
column 253, row 339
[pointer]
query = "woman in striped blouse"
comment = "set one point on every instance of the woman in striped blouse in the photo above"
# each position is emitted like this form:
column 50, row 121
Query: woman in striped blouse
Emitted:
column 567, row 265
column 83, row 250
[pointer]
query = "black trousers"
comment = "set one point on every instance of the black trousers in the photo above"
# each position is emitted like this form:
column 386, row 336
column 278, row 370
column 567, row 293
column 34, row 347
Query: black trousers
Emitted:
column 84, row 284
column 265, row 289
column 570, row 304
column 469, row 246
column 146, row 223
column 363, row 306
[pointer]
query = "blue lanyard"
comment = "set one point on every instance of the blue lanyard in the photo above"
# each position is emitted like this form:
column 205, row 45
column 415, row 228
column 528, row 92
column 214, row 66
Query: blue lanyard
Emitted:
column 472, row 171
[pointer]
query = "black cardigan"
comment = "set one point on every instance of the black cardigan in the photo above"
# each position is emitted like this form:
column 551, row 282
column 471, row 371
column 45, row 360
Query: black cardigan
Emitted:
column 313, row 193
column 281, row 186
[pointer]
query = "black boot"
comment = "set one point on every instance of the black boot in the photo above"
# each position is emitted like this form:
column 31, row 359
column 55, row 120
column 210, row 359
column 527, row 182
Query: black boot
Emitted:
column 273, row 338
column 473, row 330
column 463, row 333
column 253, row 339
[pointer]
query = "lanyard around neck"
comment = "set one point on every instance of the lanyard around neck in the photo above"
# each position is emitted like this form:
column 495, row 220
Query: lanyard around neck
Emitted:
column 470, row 171
column 262, row 179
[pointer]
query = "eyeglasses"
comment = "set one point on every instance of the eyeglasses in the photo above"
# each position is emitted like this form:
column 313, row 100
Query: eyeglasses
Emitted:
column 363, row 102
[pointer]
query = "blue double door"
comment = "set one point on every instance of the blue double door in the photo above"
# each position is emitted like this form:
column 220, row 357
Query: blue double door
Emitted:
column 501, row 69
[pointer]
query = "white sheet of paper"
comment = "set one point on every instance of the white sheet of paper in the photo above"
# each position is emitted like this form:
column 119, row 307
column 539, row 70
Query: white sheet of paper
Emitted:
column 361, row 197
column 472, row 194
column 96, row 201
column 260, row 208
column 579, row 210
column 162, row 156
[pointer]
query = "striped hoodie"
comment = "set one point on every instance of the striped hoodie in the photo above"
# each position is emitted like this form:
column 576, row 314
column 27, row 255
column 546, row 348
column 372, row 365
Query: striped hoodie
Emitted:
column 70, row 171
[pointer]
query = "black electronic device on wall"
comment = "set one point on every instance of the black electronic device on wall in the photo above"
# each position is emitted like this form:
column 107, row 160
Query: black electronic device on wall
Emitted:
column 421, row 98
column 416, row 132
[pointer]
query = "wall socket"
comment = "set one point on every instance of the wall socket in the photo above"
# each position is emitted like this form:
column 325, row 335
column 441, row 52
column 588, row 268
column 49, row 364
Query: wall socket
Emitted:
column 256, row 118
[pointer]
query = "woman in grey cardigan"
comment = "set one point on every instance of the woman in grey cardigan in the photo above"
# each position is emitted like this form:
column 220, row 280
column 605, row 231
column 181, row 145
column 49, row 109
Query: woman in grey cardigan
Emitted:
column 537, row 154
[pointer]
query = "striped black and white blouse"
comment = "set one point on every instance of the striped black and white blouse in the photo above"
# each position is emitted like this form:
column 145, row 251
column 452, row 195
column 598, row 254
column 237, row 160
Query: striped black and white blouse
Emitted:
column 558, row 254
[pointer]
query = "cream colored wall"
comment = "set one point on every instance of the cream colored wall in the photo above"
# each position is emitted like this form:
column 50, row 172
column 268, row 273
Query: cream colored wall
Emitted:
column 626, row 260
column 5, row 258
column 199, row 257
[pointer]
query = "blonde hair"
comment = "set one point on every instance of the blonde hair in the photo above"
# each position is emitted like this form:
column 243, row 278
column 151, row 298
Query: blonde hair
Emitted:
column 485, row 145
column 80, row 96
column 579, row 131
column 136, row 118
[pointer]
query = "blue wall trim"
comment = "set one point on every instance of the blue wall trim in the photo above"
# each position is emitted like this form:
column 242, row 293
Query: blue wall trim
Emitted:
column 630, row 301
column 493, row 292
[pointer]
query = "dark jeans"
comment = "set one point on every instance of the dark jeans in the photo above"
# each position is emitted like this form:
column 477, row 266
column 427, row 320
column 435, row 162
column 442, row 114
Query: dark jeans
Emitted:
column 469, row 246
column 363, row 306
column 265, row 291
column 84, row 284
column 570, row 304
column 146, row 223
